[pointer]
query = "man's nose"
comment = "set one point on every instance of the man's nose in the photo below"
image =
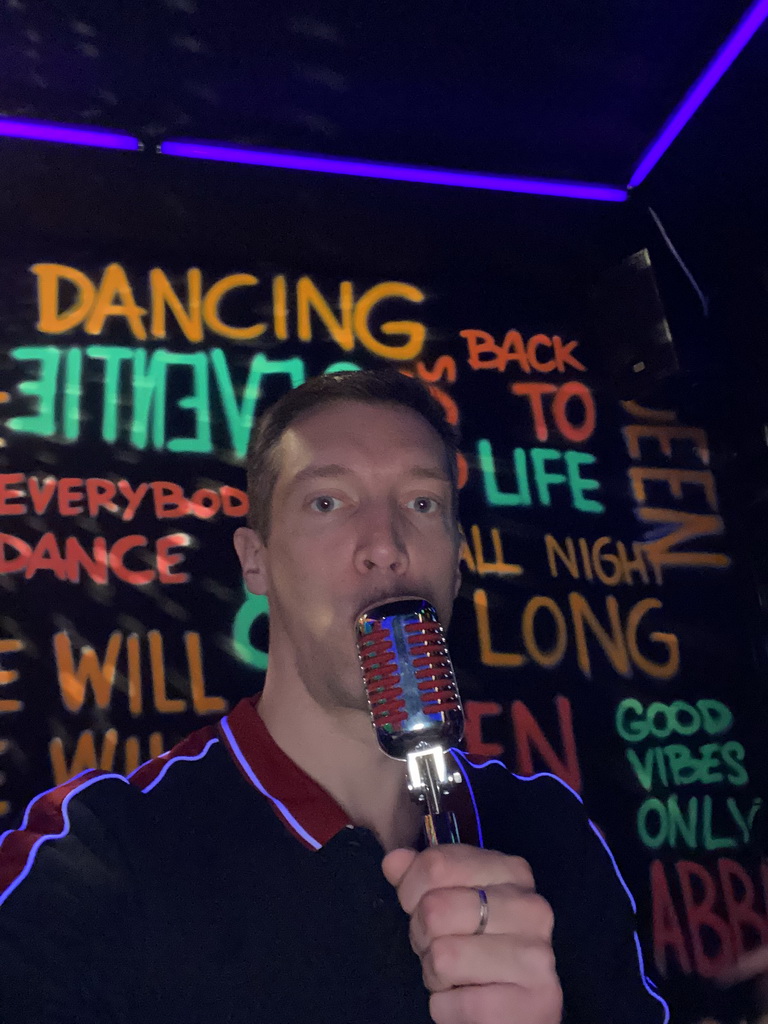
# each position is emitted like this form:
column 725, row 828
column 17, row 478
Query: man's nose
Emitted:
column 381, row 545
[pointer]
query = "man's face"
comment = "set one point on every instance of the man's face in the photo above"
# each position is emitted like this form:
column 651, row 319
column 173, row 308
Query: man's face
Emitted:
column 362, row 511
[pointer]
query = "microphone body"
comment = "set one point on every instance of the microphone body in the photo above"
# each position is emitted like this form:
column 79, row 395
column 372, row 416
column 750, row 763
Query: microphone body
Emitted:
column 414, row 702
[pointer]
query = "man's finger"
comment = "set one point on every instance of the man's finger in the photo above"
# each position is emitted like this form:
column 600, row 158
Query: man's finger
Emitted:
column 455, row 960
column 456, row 911
column 501, row 1004
column 464, row 866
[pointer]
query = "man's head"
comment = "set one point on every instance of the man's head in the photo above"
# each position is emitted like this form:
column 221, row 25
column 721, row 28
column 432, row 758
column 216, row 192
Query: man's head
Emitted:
column 353, row 483
column 365, row 386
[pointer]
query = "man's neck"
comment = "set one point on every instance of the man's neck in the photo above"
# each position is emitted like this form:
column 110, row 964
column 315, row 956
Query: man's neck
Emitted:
column 337, row 748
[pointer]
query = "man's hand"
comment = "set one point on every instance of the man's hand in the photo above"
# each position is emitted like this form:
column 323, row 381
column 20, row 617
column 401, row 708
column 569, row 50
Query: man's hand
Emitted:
column 750, row 966
column 506, row 975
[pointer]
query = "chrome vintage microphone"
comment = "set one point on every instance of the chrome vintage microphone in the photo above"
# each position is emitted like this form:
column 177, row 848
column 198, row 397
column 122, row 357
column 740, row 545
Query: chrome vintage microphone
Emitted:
column 414, row 702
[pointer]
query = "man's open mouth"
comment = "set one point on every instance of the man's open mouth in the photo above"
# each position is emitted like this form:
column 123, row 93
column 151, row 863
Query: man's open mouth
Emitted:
column 388, row 599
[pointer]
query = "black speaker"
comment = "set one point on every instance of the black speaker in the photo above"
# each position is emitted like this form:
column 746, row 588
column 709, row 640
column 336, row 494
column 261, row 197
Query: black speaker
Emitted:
column 628, row 328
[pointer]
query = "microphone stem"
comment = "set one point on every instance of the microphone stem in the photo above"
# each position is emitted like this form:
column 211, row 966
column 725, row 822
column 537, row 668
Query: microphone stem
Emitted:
column 441, row 828
column 439, row 825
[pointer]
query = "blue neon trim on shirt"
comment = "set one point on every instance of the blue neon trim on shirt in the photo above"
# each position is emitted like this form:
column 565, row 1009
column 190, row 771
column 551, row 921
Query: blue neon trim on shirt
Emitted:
column 257, row 783
column 548, row 775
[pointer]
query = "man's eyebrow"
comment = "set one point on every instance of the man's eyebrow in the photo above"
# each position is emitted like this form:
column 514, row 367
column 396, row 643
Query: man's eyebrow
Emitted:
column 429, row 473
column 320, row 472
column 334, row 469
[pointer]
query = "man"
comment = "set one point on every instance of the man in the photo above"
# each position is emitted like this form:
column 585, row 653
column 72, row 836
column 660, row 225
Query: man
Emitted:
column 269, row 869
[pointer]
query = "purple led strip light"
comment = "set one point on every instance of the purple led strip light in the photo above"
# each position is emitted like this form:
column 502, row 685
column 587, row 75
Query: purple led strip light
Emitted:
column 41, row 131
column 391, row 172
column 701, row 88
column 723, row 59
column 307, row 162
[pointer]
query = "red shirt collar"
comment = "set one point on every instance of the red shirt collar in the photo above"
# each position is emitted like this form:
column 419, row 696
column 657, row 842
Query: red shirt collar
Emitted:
column 307, row 810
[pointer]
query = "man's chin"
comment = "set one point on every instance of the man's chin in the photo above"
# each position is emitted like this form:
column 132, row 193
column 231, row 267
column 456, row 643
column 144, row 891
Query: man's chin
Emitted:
column 345, row 701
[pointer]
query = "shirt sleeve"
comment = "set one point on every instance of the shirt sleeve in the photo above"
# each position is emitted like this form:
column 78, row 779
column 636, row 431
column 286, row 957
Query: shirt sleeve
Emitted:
column 66, row 913
column 598, row 949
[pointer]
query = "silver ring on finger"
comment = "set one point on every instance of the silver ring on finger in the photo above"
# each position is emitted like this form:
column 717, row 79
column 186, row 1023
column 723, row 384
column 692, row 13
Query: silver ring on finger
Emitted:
column 482, row 923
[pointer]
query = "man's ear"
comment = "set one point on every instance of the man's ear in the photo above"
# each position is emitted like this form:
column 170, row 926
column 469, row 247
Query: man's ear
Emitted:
column 252, row 554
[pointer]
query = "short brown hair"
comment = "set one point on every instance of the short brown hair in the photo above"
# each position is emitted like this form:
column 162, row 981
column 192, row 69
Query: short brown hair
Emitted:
column 386, row 387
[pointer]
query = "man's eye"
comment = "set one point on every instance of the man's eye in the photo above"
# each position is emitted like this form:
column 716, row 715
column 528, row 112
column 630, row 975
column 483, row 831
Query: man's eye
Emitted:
column 423, row 504
column 325, row 503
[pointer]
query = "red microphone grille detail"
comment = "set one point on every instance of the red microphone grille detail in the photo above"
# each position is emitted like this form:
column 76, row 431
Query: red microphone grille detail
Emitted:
column 381, row 675
column 429, row 656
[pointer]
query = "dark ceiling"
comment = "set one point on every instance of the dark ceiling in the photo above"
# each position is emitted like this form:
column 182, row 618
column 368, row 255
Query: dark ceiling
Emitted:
column 550, row 88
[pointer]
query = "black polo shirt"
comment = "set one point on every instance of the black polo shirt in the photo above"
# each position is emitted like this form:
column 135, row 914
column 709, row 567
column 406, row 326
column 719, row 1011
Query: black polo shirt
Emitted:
column 220, row 883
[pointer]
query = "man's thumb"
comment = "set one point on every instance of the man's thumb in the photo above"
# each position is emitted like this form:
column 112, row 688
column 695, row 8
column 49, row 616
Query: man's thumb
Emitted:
column 395, row 865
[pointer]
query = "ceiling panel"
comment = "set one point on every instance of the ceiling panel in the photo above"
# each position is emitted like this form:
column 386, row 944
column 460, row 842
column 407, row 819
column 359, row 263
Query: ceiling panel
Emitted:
column 557, row 88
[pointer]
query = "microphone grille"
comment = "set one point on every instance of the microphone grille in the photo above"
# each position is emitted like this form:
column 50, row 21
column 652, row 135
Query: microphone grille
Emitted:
column 408, row 676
